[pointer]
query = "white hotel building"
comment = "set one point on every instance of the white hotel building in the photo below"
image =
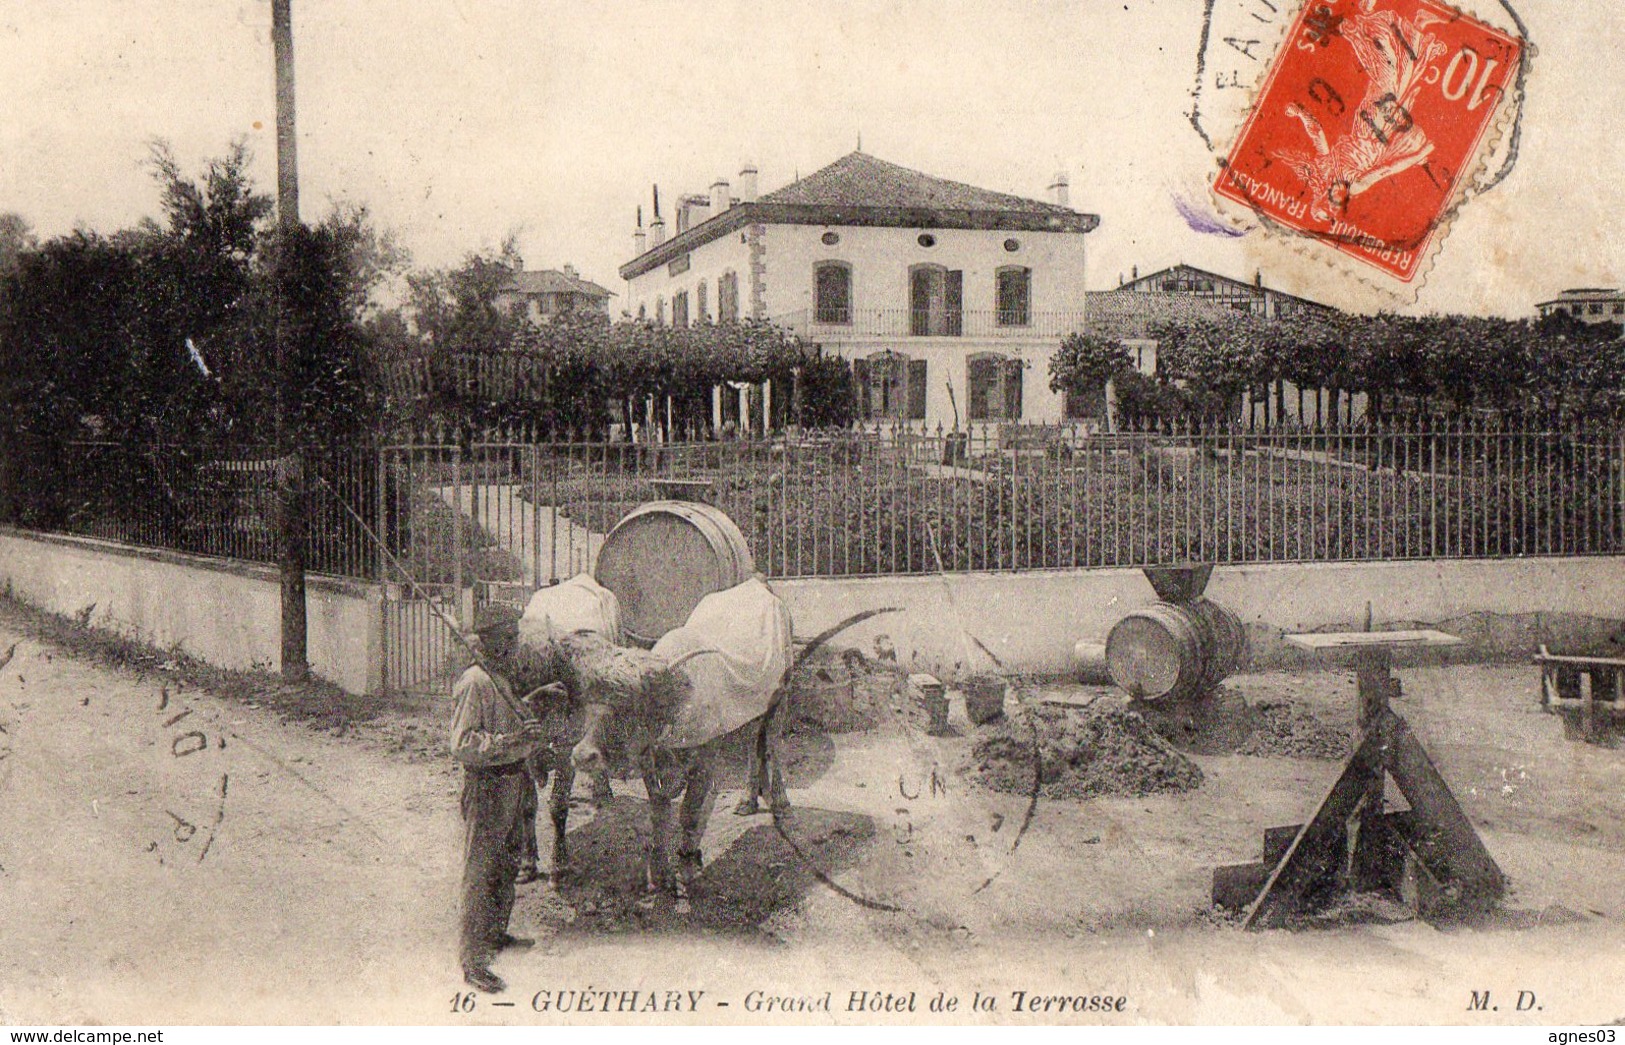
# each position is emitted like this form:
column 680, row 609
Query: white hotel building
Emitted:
column 925, row 285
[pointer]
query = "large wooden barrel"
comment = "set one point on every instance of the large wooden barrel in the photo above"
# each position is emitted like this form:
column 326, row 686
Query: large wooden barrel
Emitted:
column 1174, row 650
column 664, row 557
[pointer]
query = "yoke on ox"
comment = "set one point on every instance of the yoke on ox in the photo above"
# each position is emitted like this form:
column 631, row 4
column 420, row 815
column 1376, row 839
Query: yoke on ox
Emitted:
column 667, row 709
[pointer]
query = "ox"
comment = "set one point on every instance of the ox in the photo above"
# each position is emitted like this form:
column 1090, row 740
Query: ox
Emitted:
column 671, row 708
column 666, row 711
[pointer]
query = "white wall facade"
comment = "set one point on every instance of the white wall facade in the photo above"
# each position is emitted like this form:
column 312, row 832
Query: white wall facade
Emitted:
column 1032, row 621
column 226, row 613
column 706, row 264
column 776, row 266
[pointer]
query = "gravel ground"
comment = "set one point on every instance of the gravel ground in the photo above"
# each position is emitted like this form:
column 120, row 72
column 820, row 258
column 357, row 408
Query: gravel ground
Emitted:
column 136, row 888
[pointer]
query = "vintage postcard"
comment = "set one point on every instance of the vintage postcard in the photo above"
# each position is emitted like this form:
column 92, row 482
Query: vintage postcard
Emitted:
column 868, row 512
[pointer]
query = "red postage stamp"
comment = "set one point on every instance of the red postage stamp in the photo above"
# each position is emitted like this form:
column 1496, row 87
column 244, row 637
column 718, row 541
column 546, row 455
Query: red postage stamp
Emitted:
column 1367, row 124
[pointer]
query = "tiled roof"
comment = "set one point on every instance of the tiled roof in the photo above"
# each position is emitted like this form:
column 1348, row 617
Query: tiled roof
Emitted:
column 1131, row 313
column 1585, row 294
column 861, row 191
column 1185, row 271
column 551, row 281
column 860, row 180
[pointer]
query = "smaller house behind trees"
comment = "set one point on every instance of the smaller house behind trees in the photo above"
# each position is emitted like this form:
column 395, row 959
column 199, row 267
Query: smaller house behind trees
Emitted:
column 544, row 294
column 1184, row 294
column 1587, row 304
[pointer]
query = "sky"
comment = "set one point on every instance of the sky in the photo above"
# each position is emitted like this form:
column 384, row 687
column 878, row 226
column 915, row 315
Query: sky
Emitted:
column 459, row 121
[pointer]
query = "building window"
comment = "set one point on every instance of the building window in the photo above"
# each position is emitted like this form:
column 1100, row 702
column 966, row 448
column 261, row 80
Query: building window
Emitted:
column 832, row 292
column 925, row 239
column 1618, row 309
column 1596, row 309
column 890, row 385
column 1015, row 285
column 829, row 239
column 936, row 301
column 728, row 298
column 660, row 311
column 1012, row 245
column 994, row 382
column 643, row 311
column 679, row 309
column 702, row 309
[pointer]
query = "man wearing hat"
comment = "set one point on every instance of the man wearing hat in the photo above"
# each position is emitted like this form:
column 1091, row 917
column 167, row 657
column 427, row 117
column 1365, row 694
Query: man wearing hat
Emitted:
column 492, row 736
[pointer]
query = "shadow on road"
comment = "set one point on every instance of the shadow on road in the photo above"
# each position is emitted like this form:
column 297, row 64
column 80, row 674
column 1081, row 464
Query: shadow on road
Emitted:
column 739, row 891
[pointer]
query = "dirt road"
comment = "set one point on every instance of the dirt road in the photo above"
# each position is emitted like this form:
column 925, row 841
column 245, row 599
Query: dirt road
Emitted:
column 171, row 856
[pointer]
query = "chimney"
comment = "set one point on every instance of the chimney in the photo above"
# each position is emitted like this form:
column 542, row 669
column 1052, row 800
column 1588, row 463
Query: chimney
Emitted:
column 691, row 210
column 1134, row 272
column 720, row 200
column 657, row 227
column 747, row 183
column 1258, row 278
column 570, row 270
column 640, row 239
column 1060, row 190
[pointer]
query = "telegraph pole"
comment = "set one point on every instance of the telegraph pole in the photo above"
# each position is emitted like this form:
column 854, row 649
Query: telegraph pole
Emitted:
column 290, row 464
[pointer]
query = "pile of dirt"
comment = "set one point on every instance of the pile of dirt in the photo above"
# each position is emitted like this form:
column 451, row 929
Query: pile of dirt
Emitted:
column 1224, row 723
column 1081, row 753
column 1292, row 731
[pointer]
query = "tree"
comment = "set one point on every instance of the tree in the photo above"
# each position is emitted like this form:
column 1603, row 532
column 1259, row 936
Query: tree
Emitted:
column 1217, row 360
column 16, row 236
column 1090, row 368
column 456, row 310
column 1085, row 362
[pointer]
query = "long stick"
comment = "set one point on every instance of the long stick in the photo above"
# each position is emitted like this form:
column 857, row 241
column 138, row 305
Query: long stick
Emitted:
column 293, row 522
column 953, row 604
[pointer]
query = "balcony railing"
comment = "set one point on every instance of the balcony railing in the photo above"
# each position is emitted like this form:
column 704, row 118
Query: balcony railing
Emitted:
column 847, row 323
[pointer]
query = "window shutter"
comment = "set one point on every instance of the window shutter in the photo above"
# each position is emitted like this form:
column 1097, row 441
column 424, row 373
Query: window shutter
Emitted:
column 955, row 301
column 829, row 294
column 916, row 389
column 979, row 376
column 919, row 301
column 860, row 388
column 1013, row 373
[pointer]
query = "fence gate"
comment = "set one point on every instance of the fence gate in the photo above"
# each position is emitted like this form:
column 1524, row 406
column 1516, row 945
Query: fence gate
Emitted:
column 467, row 528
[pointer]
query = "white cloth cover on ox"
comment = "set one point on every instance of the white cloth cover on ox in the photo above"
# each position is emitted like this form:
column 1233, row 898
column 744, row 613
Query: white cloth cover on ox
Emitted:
column 579, row 604
column 748, row 628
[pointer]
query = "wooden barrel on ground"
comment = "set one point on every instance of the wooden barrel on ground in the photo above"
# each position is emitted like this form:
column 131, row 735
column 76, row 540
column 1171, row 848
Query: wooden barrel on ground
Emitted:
column 664, row 557
column 1174, row 650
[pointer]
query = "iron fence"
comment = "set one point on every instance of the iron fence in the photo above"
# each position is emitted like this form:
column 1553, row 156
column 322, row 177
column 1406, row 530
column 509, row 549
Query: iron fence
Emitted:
column 1027, row 497
column 216, row 501
column 513, row 515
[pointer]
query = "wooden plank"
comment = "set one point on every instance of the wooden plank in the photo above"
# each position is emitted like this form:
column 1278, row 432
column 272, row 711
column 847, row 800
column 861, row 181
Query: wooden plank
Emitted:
column 1237, row 885
column 1588, row 713
column 1339, row 640
column 1443, row 837
column 1593, row 662
column 1277, row 840
column 1601, row 707
column 1320, row 844
column 1548, row 687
